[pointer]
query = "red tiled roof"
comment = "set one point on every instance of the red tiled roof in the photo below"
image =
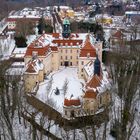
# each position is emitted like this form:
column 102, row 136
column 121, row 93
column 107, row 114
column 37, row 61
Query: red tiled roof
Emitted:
column 72, row 102
column 118, row 34
column 88, row 49
column 33, row 66
column 90, row 94
column 22, row 19
column 68, row 42
column 56, row 35
column 94, row 82
column 30, row 69
column 89, row 53
column 54, row 48
column 41, row 51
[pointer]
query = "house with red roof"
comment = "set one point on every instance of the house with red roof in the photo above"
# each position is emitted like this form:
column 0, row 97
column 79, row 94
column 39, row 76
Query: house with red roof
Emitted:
column 33, row 75
column 26, row 16
column 96, row 91
column 72, row 107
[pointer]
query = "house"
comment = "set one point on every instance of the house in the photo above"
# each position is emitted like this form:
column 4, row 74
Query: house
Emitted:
column 72, row 107
column 27, row 15
column 96, row 91
column 118, row 36
column 34, row 73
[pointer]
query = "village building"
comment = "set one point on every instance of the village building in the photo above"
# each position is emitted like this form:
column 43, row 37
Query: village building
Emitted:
column 81, row 50
column 27, row 15
column 34, row 73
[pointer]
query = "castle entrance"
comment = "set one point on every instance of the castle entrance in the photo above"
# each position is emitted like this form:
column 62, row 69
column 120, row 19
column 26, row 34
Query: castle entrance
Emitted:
column 66, row 63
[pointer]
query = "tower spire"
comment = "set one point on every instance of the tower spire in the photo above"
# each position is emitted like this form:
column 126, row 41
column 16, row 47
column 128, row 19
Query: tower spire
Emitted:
column 66, row 28
column 97, row 66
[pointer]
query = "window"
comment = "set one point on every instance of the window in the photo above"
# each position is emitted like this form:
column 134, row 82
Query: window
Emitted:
column 65, row 112
column 61, row 51
column 77, row 62
column 66, row 51
column 88, row 55
column 61, row 63
column 34, row 53
column 82, row 70
column 52, row 55
column 72, row 113
column 66, row 57
column 61, row 57
column 82, row 62
column 71, row 63
column 77, row 51
column 70, row 57
column 70, row 51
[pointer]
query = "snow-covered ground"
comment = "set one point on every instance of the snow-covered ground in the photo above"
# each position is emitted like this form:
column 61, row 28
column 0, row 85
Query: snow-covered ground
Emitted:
column 59, row 78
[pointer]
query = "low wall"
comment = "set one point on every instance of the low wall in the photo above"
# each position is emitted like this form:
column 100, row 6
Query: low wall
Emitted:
column 77, row 122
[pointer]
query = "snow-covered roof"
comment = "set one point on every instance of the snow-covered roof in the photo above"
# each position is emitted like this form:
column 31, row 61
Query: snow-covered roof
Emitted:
column 89, row 68
column 31, row 13
column 34, row 66
column 19, row 50
column 15, row 71
column 18, row 64
column 96, row 83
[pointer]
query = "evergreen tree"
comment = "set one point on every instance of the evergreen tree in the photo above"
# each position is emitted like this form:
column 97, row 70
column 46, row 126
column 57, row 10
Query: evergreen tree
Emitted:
column 44, row 27
column 48, row 28
column 20, row 41
column 41, row 25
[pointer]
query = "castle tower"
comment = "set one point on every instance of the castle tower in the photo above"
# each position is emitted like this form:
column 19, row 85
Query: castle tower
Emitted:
column 66, row 28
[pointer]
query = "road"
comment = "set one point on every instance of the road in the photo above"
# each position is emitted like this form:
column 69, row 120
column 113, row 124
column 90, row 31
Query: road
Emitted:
column 57, row 23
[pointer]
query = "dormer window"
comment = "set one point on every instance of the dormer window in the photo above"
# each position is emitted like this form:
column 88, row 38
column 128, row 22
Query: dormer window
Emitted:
column 66, row 44
column 34, row 54
column 61, row 44
column 71, row 44
column 37, row 44
column 77, row 43
column 88, row 55
column 49, row 50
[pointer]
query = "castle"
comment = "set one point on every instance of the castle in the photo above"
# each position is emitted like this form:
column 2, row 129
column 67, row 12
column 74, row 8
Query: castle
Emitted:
column 50, row 51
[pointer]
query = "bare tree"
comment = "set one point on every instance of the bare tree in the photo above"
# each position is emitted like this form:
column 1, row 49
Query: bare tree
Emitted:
column 24, row 27
column 9, row 97
column 65, row 86
column 49, row 85
column 125, row 70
